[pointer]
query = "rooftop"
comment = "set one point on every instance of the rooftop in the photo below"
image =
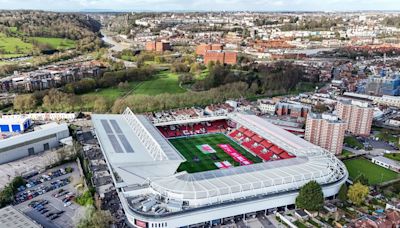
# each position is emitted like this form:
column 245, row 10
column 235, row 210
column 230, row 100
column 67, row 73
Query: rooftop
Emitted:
column 12, row 218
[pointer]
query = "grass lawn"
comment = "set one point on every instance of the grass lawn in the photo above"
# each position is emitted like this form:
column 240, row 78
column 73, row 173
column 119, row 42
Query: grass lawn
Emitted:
column 375, row 174
column 56, row 43
column 187, row 147
column 165, row 82
column 300, row 224
column 352, row 142
column 13, row 45
column 203, row 74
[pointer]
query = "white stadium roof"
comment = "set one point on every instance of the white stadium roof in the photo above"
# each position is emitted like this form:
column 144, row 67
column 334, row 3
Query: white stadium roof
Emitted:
column 311, row 162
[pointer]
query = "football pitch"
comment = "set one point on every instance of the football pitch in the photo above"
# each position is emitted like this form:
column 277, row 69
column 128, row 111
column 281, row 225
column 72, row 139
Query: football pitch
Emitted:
column 198, row 160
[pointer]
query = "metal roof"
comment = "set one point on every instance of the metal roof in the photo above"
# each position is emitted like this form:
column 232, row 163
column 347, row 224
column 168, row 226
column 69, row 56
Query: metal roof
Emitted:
column 45, row 130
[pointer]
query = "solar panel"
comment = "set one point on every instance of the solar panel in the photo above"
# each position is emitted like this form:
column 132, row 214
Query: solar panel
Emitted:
column 125, row 143
column 115, row 144
column 106, row 126
column 116, row 127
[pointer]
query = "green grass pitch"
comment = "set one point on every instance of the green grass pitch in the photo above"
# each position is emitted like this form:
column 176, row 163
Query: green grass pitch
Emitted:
column 375, row 174
column 187, row 147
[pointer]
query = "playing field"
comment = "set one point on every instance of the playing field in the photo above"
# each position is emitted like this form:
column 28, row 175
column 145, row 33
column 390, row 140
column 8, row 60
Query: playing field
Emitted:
column 198, row 161
column 375, row 174
column 165, row 82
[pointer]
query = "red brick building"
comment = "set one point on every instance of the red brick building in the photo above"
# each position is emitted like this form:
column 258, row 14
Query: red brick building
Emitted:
column 202, row 49
column 223, row 57
column 293, row 110
column 357, row 114
column 158, row 46
column 326, row 131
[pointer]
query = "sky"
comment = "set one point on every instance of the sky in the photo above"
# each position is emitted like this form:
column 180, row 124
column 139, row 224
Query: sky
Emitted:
column 203, row 5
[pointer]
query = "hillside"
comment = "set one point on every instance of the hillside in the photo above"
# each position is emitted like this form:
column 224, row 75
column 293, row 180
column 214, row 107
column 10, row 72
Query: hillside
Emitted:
column 34, row 32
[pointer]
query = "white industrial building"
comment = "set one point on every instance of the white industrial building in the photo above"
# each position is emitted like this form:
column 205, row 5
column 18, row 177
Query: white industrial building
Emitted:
column 17, row 124
column 44, row 137
column 144, row 166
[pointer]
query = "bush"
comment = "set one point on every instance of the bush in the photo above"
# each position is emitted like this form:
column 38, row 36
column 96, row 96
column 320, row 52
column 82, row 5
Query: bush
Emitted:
column 86, row 199
column 69, row 169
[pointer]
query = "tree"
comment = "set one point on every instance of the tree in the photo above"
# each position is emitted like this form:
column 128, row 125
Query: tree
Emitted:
column 361, row 179
column 25, row 102
column 357, row 193
column 310, row 197
column 95, row 219
column 100, row 105
column 342, row 195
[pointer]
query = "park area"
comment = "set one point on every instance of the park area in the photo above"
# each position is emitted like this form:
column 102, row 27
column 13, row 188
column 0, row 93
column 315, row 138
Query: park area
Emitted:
column 211, row 152
column 163, row 82
column 11, row 47
column 55, row 43
column 374, row 173
column 14, row 46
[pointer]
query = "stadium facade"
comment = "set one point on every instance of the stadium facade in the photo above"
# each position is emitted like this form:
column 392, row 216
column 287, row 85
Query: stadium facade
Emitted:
column 144, row 165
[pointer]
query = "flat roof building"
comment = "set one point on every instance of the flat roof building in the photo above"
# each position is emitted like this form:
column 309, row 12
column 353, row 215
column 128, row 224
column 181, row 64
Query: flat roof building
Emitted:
column 13, row 218
column 17, row 124
column 326, row 131
column 223, row 57
column 43, row 138
column 357, row 114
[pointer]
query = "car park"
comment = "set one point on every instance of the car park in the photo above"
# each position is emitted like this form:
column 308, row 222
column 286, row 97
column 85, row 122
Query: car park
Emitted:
column 68, row 203
column 40, row 190
column 44, row 211
column 54, row 217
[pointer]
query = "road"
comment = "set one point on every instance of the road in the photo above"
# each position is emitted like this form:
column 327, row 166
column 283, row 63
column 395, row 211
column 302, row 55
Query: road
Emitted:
column 117, row 47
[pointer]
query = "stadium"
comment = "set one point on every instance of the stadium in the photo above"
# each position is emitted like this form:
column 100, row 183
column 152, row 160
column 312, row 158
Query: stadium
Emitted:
column 202, row 171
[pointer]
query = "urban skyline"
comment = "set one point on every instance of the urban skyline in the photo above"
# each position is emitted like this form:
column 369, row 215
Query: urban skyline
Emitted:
column 207, row 5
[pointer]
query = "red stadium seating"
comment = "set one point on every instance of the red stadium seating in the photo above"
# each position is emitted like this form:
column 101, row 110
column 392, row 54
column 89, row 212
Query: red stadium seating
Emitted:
column 248, row 133
column 267, row 144
column 276, row 150
column 234, row 133
column 242, row 129
column 273, row 151
column 267, row 156
column 257, row 150
column 285, row 155
column 248, row 144
column 257, row 138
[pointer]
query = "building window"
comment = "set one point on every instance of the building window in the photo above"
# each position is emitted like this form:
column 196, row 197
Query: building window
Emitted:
column 31, row 151
column 46, row 146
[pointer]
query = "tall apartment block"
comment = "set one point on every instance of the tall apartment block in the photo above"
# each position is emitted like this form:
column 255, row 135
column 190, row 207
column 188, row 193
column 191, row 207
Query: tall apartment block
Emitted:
column 357, row 114
column 326, row 131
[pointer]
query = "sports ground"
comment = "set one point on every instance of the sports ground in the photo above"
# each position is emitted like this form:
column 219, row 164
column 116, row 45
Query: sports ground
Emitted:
column 198, row 160
column 374, row 173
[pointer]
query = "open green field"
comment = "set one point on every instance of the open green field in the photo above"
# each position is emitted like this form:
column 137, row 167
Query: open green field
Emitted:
column 375, row 174
column 187, row 147
column 165, row 82
column 14, row 46
column 56, row 43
